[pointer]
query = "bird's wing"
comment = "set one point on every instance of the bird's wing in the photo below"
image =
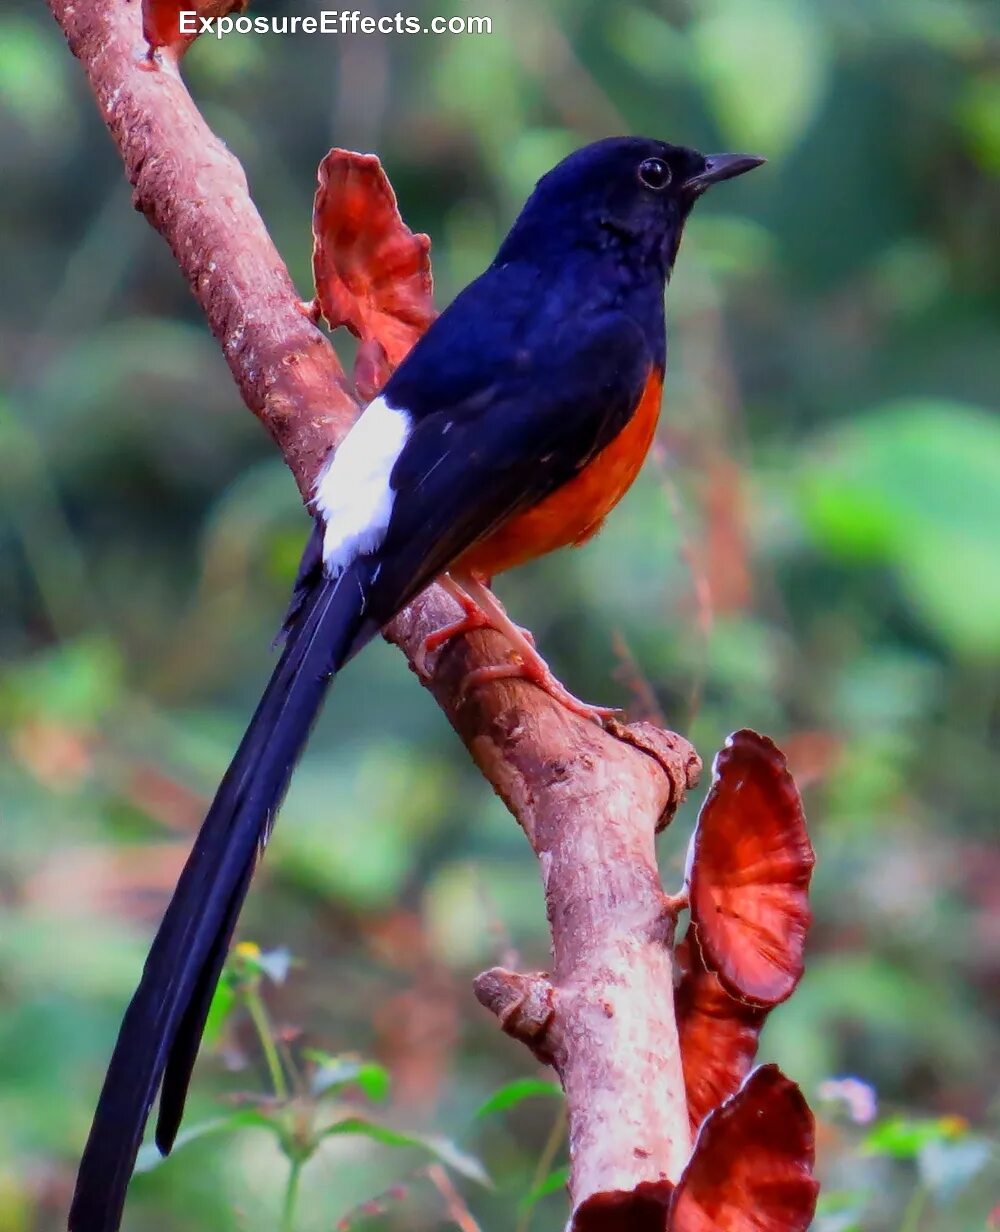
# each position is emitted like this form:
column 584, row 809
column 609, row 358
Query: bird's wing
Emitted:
column 466, row 468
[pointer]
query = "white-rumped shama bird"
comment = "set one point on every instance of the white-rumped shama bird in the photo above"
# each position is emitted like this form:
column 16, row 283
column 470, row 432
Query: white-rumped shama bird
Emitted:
column 512, row 428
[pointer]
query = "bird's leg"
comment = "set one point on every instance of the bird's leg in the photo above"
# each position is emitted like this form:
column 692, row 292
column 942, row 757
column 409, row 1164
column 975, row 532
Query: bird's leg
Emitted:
column 472, row 590
column 529, row 664
column 472, row 618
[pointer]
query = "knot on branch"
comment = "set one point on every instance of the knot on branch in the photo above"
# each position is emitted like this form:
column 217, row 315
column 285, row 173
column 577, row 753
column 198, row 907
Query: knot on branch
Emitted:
column 525, row 1005
column 675, row 756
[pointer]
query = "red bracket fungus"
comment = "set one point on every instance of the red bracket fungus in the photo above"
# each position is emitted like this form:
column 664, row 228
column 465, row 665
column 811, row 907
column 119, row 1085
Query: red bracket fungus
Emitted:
column 642, row 1209
column 718, row 1035
column 750, row 1171
column 372, row 273
column 751, row 1168
column 747, row 889
column 751, row 861
column 748, row 882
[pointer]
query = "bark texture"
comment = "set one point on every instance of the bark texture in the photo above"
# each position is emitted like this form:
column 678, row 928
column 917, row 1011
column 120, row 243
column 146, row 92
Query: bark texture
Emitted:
column 589, row 800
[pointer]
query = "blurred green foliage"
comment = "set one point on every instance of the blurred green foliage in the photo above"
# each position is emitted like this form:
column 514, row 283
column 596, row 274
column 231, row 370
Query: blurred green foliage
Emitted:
column 815, row 554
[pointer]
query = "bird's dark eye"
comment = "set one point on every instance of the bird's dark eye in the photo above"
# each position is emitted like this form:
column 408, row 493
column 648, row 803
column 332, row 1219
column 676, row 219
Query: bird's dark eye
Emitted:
column 654, row 173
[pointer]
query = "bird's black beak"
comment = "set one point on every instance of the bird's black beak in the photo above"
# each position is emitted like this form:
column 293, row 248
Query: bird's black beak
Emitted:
column 719, row 167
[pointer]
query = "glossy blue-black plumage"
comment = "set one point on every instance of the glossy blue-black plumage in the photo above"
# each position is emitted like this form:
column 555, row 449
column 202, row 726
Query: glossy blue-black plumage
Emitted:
column 590, row 243
column 534, row 368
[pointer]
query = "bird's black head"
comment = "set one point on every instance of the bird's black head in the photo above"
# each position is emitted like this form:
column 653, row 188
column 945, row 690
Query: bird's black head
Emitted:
column 629, row 192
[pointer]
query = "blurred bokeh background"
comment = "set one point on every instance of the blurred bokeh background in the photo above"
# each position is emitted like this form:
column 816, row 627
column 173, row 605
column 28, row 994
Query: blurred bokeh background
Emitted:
column 814, row 552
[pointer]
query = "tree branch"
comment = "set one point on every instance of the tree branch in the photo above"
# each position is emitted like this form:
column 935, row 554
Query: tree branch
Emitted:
column 589, row 800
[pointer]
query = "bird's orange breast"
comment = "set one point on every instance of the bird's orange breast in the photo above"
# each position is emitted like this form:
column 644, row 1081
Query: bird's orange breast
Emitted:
column 573, row 513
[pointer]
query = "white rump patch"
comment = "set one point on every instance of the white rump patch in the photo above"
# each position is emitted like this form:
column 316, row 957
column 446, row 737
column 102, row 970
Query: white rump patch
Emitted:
column 353, row 495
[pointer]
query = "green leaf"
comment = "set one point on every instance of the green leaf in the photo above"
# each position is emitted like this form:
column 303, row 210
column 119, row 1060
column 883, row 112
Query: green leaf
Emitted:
column 916, row 485
column 440, row 1148
column 650, row 43
column 511, row 1094
column 555, row 1181
column 223, row 1003
column 335, row 1072
column 368, row 865
column 840, row 1210
column 149, row 1156
column 979, row 119
column 737, row 45
column 32, row 77
column 76, row 682
column 904, row 1138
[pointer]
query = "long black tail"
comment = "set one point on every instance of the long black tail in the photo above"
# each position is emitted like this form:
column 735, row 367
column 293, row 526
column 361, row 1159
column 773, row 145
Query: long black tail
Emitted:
column 163, row 1025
